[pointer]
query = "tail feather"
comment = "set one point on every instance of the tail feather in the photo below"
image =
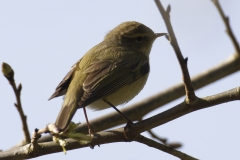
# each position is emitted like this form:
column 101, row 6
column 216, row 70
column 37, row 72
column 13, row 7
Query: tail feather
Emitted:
column 65, row 116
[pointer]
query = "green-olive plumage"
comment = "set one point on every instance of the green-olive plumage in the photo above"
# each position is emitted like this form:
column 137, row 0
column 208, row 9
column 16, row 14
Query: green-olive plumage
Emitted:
column 116, row 69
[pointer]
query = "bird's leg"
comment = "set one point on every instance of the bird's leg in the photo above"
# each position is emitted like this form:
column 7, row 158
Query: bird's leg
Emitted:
column 85, row 114
column 129, row 122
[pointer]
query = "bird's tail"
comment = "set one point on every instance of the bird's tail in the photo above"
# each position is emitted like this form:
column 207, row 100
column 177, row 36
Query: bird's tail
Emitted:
column 65, row 116
column 69, row 107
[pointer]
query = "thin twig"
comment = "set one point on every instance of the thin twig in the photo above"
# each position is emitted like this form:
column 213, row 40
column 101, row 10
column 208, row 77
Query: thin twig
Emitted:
column 153, row 135
column 34, row 147
column 9, row 74
column 190, row 94
column 164, row 148
column 174, row 145
column 228, row 27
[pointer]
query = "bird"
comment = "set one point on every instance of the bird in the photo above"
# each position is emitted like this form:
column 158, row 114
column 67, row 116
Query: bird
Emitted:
column 110, row 74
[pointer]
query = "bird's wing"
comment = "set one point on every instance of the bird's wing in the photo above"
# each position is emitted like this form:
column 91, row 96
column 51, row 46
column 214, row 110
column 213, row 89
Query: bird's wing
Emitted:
column 106, row 77
column 63, row 85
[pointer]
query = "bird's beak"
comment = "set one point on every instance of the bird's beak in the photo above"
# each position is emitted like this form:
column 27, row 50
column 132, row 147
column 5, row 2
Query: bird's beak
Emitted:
column 159, row 34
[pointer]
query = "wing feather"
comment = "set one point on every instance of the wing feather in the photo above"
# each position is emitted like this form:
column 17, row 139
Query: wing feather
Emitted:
column 62, row 87
column 111, row 76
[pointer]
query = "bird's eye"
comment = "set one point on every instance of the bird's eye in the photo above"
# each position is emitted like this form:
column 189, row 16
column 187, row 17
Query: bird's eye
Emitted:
column 139, row 39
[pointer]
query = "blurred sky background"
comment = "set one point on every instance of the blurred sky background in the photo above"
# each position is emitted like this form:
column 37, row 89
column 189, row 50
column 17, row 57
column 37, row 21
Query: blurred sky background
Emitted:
column 41, row 40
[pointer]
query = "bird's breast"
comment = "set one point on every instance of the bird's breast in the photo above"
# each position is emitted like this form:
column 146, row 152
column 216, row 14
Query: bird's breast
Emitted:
column 121, row 96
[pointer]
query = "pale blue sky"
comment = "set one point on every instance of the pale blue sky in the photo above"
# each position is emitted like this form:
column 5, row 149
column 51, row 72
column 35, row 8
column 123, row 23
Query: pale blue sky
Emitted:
column 41, row 40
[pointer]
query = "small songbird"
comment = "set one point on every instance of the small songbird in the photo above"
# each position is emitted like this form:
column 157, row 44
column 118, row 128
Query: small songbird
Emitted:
column 111, row 73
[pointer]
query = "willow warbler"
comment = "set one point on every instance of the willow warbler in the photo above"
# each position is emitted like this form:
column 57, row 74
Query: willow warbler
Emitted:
column 109, row 74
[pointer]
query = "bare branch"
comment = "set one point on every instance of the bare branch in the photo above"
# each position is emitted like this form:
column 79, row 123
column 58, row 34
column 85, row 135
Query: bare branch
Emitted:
column 52, row 147
column 164, row 148
column 183, row 109
column 190, row 94
column 99, row 138
column 228, row 28
column 9, row 74
column 112, row 136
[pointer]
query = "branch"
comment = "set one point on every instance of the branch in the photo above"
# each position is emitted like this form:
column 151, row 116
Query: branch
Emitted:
column 100, row 138
column 190, row 94
column 52, row 147
column 164, row 148
column 9, row 74
column 133, row 131
column 184, row 108
column 117, row 135
column 228, row 28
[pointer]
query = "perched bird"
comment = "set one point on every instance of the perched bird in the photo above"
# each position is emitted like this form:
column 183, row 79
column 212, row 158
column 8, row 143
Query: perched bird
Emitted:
column 111, row 73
